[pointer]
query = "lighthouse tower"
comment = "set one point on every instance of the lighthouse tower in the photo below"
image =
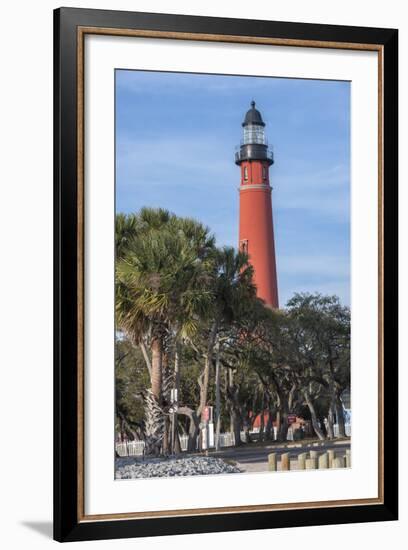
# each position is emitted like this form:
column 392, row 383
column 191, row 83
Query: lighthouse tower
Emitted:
column 256, row 236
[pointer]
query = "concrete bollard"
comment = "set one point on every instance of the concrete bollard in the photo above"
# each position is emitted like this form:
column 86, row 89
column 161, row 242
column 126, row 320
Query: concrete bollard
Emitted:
column 323, row 461
column 272, row 462
column 339, row 462
column 285, row 462
column 301, row 461
column 313, row 454
column 331, row 457
column 348, row 458
column 311, row 463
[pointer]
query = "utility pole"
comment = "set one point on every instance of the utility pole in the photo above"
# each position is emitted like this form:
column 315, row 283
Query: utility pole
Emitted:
column 217, row 396
column 173, row 412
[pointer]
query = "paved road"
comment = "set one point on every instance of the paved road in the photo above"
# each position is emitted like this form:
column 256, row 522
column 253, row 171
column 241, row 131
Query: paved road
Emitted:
column 254, row 458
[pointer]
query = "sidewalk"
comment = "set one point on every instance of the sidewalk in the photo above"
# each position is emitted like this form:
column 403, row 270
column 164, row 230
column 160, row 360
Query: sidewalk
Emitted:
column 254, row 458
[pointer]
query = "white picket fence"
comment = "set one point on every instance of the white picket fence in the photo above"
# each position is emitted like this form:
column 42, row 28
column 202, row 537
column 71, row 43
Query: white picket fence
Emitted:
column 130, row 448
column 347, row 429
column 135, row 448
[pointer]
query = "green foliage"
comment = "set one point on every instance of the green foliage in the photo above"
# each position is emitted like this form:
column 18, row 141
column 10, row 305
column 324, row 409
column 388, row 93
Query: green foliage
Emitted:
column 173, row 285
column 131, row 378
column 163, row 273
column 320, row 338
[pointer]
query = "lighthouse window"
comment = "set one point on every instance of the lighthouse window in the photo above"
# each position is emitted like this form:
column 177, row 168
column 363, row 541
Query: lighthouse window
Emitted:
column 246, row 173
column 264, row 172
column 254, row 134
column 244, row 246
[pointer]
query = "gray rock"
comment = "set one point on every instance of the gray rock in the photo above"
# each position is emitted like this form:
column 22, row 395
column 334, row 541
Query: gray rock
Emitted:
column 136, row 468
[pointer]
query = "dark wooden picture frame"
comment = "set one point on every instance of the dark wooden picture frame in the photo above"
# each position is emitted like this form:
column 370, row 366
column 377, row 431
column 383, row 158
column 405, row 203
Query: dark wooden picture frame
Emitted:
column 70, row 27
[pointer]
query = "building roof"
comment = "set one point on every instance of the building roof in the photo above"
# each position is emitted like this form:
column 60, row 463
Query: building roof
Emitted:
column 253, row 116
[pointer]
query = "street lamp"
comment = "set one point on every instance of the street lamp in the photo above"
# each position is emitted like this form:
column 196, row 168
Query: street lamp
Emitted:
column 173, row 418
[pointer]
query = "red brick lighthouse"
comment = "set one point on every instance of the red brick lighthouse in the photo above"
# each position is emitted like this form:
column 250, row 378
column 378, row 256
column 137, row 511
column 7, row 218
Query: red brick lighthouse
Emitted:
column 256, row 236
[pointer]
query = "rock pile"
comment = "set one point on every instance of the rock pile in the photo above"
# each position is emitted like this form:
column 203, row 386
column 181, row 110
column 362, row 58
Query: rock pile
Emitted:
column 133, row 468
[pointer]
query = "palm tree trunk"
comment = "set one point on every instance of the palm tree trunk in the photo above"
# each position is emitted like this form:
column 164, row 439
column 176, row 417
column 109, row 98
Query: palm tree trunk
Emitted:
column 156, row 374
column 177, row 369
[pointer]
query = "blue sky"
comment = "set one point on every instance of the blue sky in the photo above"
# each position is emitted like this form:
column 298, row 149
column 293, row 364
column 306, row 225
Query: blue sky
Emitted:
column 175, row 141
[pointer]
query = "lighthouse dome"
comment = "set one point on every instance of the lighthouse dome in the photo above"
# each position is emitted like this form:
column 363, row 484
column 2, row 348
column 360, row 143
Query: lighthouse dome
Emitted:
column 253, row 117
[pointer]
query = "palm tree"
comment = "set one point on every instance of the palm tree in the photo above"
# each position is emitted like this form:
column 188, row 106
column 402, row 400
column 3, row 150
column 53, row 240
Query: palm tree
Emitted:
column 162, row 284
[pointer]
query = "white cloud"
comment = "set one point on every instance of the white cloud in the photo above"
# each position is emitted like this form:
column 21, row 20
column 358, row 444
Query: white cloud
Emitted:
column 163, row 158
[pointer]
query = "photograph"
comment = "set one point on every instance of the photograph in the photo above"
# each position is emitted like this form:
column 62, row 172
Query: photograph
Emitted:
column 232, row 275
column 206, row 239
column 225, row 269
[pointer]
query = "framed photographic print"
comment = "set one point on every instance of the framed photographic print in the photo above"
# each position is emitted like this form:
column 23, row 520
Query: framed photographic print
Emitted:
column 225, row 274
